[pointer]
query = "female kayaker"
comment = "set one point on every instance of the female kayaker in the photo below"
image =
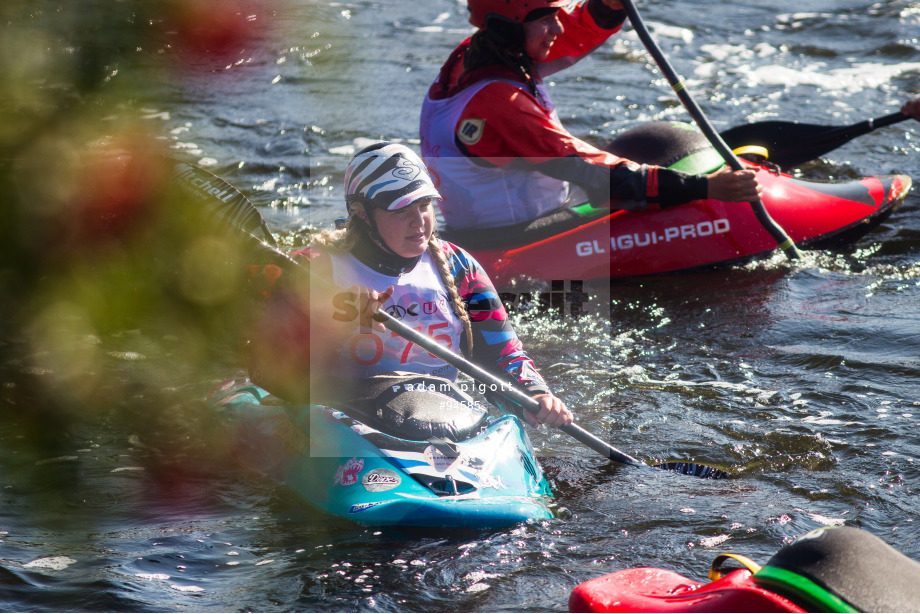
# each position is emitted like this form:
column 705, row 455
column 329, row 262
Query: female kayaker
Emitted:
column 493, row 141
column 388, row 256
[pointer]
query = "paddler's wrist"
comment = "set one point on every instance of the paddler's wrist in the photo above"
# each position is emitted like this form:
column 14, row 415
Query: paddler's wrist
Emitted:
column 536, row 389
column 676, row 188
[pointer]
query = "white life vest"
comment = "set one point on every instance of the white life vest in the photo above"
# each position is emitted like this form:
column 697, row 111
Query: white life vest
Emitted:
column 419, row 300
column 482, row 196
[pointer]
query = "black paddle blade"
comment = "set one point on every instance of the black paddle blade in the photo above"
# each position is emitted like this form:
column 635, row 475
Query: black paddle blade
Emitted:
column 699, row 471
column 791, row 144
column 227, row 205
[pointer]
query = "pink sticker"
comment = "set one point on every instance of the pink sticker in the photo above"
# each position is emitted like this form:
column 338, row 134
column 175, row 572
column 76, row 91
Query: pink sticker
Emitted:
column 348, row 473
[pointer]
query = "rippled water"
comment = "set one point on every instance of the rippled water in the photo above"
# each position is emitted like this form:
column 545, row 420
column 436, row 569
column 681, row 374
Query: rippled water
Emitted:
column 801, row 379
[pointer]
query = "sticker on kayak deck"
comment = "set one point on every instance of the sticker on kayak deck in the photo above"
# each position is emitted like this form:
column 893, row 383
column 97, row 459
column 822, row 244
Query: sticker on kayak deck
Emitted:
column 439, row 460
column 644, row 239
column 348, row 473
column 493, row 481
column 360, row 507
column 380, row 480
column 470, row 131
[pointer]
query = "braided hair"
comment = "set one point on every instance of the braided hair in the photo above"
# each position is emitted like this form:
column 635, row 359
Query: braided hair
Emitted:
column 436, row 250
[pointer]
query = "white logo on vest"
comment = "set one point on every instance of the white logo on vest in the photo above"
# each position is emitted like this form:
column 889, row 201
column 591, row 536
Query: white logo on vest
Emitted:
column 470, row 131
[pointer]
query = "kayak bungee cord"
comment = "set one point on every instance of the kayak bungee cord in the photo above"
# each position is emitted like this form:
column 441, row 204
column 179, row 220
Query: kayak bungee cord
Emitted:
column 783, row 241
column 240, row 207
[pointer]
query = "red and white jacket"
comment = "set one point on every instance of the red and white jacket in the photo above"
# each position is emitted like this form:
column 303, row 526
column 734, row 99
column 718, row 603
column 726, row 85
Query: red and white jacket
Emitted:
column 500, row 156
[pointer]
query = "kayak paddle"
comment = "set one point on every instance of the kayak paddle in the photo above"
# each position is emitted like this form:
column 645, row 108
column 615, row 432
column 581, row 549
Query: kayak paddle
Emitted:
column 783, row 241
column 232, row 207
column 790, row 144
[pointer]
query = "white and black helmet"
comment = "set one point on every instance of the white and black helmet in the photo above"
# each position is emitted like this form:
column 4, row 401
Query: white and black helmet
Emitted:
column 388, row 176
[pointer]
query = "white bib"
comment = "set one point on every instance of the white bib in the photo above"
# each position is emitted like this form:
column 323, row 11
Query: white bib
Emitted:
column 419, row 300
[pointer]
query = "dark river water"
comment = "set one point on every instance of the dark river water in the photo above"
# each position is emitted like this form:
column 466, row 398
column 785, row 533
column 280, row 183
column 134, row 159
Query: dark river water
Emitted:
column 803, row 380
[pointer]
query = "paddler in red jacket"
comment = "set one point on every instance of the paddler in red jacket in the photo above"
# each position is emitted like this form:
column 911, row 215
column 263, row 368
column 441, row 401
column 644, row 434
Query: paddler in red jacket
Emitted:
column 492, row 138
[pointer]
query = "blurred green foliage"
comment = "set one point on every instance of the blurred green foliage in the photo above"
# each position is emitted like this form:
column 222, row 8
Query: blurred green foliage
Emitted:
column 115, row 294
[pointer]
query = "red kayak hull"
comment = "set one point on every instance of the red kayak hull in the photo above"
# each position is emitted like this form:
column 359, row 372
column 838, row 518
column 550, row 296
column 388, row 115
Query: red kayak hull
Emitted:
column 699, row 235
column 658, row 590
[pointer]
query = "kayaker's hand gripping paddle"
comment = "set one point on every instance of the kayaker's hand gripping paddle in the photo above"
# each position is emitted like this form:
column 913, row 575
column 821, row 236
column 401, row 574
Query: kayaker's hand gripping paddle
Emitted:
column 783, row 241
column 235, row 208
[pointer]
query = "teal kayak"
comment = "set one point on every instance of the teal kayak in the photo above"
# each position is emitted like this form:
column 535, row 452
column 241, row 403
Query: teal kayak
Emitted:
column 410, row 451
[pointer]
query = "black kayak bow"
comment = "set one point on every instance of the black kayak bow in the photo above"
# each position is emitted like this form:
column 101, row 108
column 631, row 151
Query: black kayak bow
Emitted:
column 233, row 207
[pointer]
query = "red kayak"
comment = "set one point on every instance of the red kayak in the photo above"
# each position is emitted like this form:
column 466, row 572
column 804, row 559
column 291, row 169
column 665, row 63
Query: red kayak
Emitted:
column 659, row 590
column 839, row 569
column 703, row 234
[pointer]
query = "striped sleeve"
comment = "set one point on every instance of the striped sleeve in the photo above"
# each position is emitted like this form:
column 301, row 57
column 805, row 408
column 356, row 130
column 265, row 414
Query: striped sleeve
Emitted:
column 496, row 346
